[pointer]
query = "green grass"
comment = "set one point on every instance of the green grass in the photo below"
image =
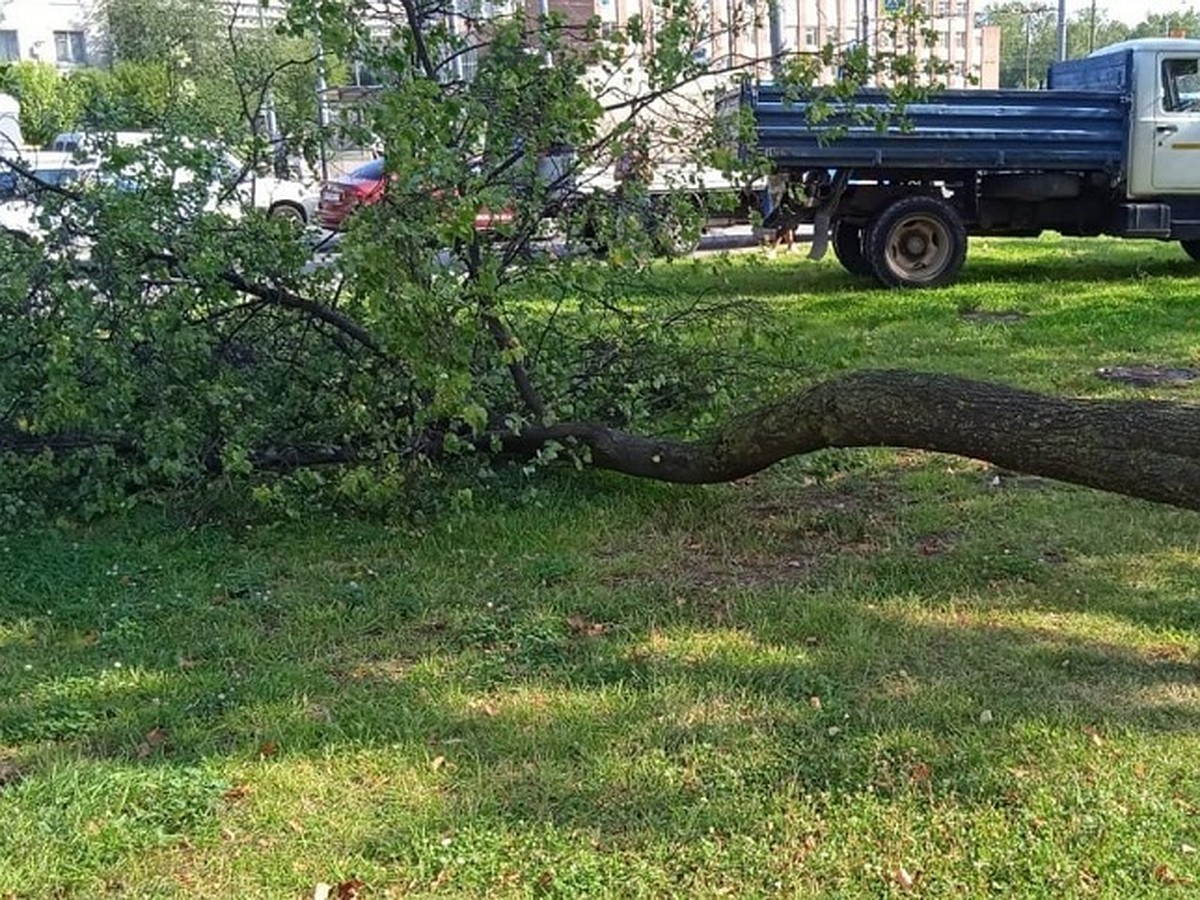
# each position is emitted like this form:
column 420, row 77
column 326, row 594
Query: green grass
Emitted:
column 854, row 672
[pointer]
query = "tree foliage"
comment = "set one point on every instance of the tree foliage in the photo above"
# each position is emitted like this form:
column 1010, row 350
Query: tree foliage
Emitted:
column 155, row 333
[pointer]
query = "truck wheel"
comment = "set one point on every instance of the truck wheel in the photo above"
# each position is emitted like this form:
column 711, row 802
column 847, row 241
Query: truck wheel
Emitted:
column 917, row 242
column 1191, row 248
column 848, row 248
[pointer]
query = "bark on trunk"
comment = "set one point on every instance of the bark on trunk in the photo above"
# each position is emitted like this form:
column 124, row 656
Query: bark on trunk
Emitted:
column 1141, row 448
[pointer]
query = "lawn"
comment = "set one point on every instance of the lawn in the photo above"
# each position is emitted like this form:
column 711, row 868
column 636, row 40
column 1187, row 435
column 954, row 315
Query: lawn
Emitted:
column 865, row 673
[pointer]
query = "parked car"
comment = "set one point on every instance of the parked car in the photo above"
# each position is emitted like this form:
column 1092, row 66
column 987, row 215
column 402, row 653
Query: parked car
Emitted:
column 341, row 196
column 20, row 205
column 281, row 197
column 365, row 185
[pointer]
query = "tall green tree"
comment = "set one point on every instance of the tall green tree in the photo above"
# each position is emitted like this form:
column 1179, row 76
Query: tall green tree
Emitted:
column 218, row 75
column 1029, row 37
column 1184, row 23
column 1027, row 40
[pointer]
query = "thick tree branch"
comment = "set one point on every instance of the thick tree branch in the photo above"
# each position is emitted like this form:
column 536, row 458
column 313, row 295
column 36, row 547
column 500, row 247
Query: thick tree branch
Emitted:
column 278, row 296
column 1141, row 448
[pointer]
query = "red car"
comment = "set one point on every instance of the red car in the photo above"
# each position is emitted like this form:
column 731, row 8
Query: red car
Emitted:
column 342, row 196
column 364, row 186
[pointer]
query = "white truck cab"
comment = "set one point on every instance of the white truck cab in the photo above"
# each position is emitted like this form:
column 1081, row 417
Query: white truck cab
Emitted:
column 1164, row 132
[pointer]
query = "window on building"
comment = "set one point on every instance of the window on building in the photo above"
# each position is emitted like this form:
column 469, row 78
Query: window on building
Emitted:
column 961, row 40
column 10, row 47
column 69, row 47
column 810, row 36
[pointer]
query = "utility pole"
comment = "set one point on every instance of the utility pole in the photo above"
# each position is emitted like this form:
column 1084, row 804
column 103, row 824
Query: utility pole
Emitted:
column 1028, row 12
column 322, row 103
column 543, row 17
column 775, row 24
column 1062, row 30
column 1092, row 29
column 271, row 123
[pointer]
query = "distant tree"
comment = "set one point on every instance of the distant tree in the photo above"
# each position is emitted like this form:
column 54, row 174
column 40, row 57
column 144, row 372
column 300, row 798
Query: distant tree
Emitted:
column 205, row 75
column 187, row 34
column 1027, row 40
column 1029, row 37
column 1090, row 29
column 1183, row 23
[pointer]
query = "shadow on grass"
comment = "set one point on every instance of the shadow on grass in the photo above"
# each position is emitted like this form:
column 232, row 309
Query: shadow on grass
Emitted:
column 626, row 676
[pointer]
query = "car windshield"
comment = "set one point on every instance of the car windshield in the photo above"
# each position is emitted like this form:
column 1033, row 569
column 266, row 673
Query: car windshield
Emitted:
column 372, row 171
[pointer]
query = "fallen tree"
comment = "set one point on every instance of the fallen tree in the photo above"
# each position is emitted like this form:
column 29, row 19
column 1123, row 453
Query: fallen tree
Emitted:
column 149, row 339
column 1140, row 448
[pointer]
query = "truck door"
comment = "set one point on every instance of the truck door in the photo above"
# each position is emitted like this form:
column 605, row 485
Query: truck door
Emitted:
column 1176, row 153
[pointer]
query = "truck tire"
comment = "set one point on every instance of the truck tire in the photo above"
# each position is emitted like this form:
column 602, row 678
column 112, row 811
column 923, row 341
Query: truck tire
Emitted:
column 916, row 242
column 1191, row 248
column 848, row 248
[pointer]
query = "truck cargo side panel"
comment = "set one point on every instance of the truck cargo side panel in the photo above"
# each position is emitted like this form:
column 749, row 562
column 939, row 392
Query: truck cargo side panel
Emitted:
column 969, row 129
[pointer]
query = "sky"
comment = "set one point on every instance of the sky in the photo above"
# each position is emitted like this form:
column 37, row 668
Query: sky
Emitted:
column 1131, row 11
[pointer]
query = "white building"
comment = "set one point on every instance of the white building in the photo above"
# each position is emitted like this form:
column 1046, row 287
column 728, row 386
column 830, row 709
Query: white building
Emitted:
column 70, row 33
column 61, row 32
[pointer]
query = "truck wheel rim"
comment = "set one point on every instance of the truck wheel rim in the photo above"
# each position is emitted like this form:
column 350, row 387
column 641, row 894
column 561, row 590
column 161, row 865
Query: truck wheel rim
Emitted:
column 918, row 248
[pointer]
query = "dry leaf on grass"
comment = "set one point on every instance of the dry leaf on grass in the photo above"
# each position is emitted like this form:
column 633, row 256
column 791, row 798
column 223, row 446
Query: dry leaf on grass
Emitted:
column 10, row 773
column 584, row 627
column 153, row 739
column 906, row 880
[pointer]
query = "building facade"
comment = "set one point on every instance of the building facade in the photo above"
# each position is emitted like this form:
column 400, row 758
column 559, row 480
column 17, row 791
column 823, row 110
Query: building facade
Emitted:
column 732, row 33
column 62, row 32
column 737, row 33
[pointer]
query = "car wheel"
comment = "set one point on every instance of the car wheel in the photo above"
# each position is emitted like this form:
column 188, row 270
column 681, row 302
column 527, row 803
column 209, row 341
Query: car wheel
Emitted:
column 917, row 242
column 288, row 211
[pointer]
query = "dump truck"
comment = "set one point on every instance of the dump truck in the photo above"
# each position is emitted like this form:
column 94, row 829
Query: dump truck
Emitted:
column 1110, row 147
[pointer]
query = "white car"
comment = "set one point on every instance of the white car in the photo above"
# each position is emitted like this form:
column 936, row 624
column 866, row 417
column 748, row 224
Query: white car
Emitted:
column 280, row 197
column 19, row 206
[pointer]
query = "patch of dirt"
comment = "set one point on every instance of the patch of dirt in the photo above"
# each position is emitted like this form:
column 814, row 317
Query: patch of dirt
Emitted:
column 1149, row 376
column 10, row 772
column 771, row 535
column 1000, row 317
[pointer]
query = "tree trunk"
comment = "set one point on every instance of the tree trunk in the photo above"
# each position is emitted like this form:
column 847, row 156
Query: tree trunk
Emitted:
column 1141, row 448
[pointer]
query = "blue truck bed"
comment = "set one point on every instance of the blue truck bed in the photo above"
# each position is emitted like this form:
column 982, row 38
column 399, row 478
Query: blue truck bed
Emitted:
column 1004, row 130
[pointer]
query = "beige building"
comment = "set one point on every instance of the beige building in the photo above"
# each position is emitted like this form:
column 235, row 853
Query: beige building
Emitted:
column 736, row 33
column 54, row 31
